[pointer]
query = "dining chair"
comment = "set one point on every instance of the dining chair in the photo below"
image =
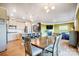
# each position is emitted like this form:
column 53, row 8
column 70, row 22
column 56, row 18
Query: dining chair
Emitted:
column 53, row 48
column 30, row 49
column 57, row 45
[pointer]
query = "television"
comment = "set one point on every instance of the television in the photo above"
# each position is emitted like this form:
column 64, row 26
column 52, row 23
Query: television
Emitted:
column 49, row 26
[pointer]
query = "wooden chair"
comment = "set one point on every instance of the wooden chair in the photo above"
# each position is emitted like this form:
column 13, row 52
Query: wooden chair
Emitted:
column 30, row 49
column 19, row 38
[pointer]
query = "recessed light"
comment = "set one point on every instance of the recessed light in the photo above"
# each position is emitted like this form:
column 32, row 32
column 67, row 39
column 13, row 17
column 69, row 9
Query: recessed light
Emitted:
column 47, row 10
column 53, row 7
column 23, row 17
column 26, row 23
column 31, row 20
column 30, row 16
column 11, row 15
column 45, row 7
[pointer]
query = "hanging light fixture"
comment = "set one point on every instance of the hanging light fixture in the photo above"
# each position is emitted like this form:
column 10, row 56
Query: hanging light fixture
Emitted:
column 48, row 8
column 45, row 7
column 23, row 17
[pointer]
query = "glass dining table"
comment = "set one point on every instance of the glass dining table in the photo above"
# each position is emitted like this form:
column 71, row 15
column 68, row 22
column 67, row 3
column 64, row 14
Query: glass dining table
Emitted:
column 42, row 42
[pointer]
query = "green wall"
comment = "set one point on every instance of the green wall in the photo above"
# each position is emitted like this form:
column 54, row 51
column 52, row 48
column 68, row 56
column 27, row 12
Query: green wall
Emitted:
column 43, row 29
column 55, row 28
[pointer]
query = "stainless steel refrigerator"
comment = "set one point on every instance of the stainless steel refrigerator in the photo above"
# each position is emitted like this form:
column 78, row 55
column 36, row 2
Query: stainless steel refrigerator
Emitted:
column 3, row 35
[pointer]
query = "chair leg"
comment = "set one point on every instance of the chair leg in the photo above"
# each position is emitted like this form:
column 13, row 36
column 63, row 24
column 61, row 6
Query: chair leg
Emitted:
column 41, row 53
column 52, row 53
column 57, row 52
column 25, row 52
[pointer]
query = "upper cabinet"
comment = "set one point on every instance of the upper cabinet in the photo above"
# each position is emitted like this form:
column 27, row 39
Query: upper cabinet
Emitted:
column 3, row 13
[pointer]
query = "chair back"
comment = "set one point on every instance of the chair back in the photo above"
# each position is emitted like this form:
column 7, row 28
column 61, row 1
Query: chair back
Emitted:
column 56, row 45
column 59, row 45
column 27, row 44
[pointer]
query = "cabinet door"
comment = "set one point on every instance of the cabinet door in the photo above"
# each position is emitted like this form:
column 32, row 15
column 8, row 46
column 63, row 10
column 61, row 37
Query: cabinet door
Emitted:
column 73, row 38
column 2, row 37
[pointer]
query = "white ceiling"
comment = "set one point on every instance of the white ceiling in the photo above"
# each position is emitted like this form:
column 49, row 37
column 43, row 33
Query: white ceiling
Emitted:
column 64, row 12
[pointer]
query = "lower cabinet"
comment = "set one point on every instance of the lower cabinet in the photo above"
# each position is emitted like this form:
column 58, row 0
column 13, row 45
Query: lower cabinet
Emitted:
column 12, row 36
column 74, row 38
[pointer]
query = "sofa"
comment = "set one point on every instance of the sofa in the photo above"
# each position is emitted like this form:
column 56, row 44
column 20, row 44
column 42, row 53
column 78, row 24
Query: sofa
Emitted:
column 65, row 36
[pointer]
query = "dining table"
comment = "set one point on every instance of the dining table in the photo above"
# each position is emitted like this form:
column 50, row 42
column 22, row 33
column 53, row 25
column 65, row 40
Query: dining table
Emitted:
column 42, row 42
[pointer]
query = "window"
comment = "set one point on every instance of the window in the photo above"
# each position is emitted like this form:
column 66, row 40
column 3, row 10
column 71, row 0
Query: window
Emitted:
column 63, row 28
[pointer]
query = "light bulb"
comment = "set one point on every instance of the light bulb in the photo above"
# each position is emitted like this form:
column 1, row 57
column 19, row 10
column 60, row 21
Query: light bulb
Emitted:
column 53, row 7
column 23, row 17
column 30, row 16
column 26, row 23
column 47, row 10
column 11, row 15
column 45, row 7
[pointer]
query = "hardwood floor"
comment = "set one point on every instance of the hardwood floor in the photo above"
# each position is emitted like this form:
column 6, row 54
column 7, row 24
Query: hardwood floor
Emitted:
column 67, row 50
column 14, row 48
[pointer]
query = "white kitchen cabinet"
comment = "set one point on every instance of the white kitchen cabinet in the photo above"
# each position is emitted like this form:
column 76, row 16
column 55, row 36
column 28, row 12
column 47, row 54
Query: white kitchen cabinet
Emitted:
column 3, row 36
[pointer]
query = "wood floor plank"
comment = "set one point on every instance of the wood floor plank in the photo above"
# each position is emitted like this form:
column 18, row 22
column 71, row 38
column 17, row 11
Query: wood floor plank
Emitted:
column 14, row 48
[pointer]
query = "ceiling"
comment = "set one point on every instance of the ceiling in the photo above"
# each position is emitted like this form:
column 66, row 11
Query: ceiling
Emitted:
column 63, row 12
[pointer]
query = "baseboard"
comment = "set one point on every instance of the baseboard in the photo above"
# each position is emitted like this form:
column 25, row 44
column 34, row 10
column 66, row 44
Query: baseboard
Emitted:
column 4, row 50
